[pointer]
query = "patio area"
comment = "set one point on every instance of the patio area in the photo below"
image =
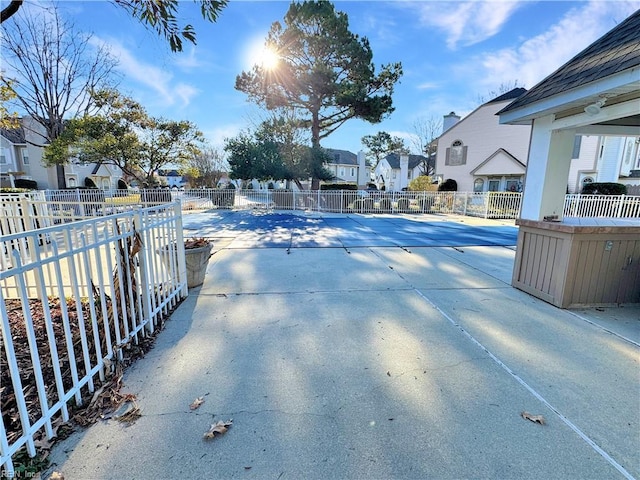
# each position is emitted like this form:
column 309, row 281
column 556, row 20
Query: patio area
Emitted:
column 372, row 347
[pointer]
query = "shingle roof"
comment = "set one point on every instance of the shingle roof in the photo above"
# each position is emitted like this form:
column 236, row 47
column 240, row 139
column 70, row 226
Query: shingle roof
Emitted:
column 14, row 135
column 414, row 160
column 616, row 51
column 510, row 95
column 346, row 157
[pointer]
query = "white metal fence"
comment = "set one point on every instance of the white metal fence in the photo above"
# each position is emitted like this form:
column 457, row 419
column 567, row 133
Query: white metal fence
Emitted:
column 487, row 204
column 24, row 212
column 612, row 206
column 89, row 289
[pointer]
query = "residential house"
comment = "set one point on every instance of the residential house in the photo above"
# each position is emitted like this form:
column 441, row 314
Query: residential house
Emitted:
column 14, row 156
column 21, row 157
column 479, row 153
column 347, row 167
column 394, row 172
column 172, row 177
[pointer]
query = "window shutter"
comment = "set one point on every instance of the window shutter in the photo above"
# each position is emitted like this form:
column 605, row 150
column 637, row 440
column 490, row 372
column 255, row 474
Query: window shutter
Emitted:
column 446, row 160
column 464, row 155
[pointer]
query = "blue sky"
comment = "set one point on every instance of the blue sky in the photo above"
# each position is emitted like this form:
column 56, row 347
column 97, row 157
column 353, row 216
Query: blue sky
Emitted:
column 452, row 54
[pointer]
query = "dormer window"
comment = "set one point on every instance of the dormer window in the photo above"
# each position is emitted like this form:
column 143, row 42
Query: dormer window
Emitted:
column 456, row 154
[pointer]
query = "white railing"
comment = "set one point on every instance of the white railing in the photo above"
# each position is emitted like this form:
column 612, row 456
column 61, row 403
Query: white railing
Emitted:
column 72, row 297
column 487, row 205
column 611, row 206
column 23, row 212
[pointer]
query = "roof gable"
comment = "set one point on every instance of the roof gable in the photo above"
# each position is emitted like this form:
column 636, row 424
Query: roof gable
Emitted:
column 500, row 162
column 393, row 159
column 13, row 135
column 510, row 95
column 345, row 157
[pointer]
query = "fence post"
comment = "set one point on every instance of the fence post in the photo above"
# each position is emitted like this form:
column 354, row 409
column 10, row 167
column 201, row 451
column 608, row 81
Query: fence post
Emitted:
column 182, row 263
column 620, row 205
column 138, row 226
column 487, row 198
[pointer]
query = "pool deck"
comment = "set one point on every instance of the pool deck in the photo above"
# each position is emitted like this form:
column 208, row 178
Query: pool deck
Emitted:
column 372, row 347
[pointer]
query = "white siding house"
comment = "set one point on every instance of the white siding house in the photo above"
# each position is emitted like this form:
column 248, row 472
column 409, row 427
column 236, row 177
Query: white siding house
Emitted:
column 21, row 157
column 482, row 155
column 347, row 167
column 394, row 172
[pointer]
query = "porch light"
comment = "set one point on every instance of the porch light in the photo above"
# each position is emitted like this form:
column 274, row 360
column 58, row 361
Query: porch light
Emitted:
column 594, row 108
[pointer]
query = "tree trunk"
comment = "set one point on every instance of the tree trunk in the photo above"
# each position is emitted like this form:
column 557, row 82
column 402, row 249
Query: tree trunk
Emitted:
column 62, row 181
column 315, row 142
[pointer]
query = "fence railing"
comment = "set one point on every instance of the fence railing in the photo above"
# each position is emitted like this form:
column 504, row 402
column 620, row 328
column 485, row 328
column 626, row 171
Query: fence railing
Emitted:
column 72, row 297
column 488, row 204
column 23, row 212
column 612, row 206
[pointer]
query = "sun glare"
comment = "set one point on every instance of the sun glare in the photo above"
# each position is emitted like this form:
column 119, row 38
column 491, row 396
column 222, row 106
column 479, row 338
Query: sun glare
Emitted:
column 269, row 59
column 259, row 54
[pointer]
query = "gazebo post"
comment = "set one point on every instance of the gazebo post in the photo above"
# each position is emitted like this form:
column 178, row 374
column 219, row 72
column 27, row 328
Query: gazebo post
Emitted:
column 546, row 180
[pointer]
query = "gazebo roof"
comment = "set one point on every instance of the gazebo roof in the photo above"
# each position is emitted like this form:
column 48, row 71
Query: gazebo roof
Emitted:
column 607, row 69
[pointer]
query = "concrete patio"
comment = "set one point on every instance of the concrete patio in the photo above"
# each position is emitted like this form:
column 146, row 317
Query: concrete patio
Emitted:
column 372, row 347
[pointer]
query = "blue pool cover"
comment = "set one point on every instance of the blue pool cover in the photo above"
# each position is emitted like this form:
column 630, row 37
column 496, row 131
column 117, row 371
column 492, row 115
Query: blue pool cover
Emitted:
column 251, row 229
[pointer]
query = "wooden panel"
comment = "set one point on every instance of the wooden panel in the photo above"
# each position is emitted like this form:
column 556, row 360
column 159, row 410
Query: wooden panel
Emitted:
column 576, row 268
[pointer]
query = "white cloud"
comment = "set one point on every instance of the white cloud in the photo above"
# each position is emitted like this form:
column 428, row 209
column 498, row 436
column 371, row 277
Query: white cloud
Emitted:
column 466, row 23
column 187, row 61
column 158, row 80
column 217, row 135
column 427, row 86
column 538, row 57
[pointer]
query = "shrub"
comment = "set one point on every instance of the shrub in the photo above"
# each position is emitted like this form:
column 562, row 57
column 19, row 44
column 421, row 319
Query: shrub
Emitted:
column 338, row 186
column 89, row 183
column 449, row 185
column 423, row 183
column 604, row 188
column 14, row 190
column 24, row 183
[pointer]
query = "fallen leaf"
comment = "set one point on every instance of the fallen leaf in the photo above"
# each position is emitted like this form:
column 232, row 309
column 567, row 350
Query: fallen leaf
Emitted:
column 219, row 428
column 196, row 403
column 534, row 418
column 56, row 476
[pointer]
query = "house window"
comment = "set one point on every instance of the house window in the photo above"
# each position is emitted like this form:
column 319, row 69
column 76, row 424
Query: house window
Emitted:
column 478, row 185
column 3, row 156
column 394, row 174
column 494, row 185
column 409, row 175
column 513, row 185
column 353, row 172
column 25, row 156
column 576, row 146
column 456, row 154
column 72, row 182
column 342, row 172
column 587, row 181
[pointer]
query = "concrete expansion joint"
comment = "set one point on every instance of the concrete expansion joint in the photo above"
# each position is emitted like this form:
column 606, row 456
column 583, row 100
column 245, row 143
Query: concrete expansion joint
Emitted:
column 306, row 292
